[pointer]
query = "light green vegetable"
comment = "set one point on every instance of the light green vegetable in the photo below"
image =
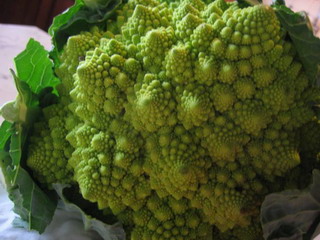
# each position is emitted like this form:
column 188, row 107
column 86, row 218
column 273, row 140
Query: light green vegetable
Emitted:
column 179, row 116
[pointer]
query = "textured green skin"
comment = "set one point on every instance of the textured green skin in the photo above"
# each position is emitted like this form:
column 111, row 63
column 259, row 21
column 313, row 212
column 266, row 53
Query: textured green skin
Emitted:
column 185, row 114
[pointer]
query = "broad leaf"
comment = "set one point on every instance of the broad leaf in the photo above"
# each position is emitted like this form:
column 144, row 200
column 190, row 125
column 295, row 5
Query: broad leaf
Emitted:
column 79, row 18
column 64, row 18
column 33, row 205
column 35, row 68
column 37, row 204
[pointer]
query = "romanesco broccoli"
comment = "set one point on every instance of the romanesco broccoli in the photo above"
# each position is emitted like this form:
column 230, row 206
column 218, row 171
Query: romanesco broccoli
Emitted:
column 177, row 117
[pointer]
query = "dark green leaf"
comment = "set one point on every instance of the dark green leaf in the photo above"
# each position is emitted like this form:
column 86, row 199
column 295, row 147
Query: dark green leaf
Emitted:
column 79, row 18
column 34, row 206
column 47, row 97
column 300, row 31
column 292, row 214
column 64, row 17
column 279, row 2
column 248, row 3
column 35, row 68
column 114, row 232
column 30, row 202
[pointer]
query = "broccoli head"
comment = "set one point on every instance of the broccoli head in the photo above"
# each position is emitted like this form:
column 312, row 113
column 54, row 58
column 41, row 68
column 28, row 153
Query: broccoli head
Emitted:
column 179, row 116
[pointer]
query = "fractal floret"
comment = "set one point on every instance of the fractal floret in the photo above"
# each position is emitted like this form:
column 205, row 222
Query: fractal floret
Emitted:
column 178, row 117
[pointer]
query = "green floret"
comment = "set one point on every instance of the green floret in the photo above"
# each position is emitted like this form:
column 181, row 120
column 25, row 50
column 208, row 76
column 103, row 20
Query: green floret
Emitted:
column 74, row 51
column 224, row 140
column 179, row 65
column 183, row 10
column 160, row 220
column 228, row 72
column 201, row 37
column 187, row 25
column 154, row 47
column 252, row 232
column 277, row 153
column 112, row 46
column 142, row 20
column 194, row 106
column 206, row 69
column 48, row 150
column 279, row 96
column 107, row 167
column 215, row 8
column 251, row 116
column 169, row 156
column 223, row 97
column 244, row 88
column 154, row 105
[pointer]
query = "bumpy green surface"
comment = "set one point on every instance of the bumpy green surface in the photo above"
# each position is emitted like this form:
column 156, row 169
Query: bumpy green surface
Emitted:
column 48, row 150
column 186, row 112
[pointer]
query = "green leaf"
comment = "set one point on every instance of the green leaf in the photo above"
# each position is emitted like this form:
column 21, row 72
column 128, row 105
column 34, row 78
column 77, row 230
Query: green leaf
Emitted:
column 15, row 147
column 248, row 3
column 292, row 214
column 300, row 31
column 5, row 160
column 64, row 17
column 106, row 231
column 279, row 2
column 4, row 133
column 79, row 18
column 35, row 74
column 25, row 108
column 35, row 68
column 33, row 205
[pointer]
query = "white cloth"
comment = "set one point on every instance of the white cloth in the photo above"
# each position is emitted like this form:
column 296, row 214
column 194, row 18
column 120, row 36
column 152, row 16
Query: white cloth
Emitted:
column 64, row 226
